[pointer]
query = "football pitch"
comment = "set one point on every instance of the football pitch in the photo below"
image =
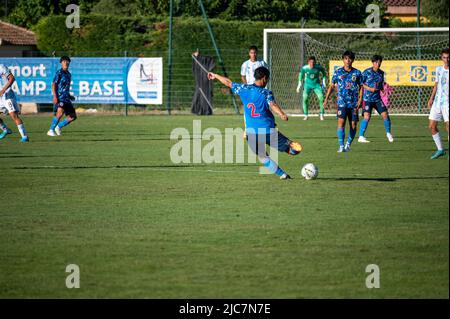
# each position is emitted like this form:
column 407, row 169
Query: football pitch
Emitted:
column 106, row 196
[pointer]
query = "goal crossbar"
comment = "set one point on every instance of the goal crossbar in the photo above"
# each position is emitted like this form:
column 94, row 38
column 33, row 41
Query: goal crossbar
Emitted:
column 344, row 30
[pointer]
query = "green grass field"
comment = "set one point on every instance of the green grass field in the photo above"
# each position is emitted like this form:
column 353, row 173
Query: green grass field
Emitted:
column 106, row 196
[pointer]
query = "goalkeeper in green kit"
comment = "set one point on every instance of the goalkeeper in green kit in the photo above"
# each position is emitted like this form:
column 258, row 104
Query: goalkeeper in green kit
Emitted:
column 310, row 75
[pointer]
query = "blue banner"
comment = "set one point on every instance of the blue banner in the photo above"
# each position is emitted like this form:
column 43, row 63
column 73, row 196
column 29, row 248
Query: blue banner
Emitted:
column 94, row 80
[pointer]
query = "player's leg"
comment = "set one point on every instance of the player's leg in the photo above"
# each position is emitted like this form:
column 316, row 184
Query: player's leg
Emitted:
column 387, row 126
column 437, row 139
column 257, row 143
column 352, row 115
column 70, row 117
column 11, row 107
column 383, row 111
column 59, row 113
column 306, row 91
column 435, row 117
column 3, row 109
column 341, row 114
column 444, row 110
column 287, row 145
column 320, row 97
column 6, row 130
column 367, row 114
column 20, row 126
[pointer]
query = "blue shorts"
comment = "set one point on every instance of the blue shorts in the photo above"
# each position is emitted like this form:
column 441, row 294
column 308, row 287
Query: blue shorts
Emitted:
column 66, row 106
column 349, row 113
column 369, row 106
column 258, row 142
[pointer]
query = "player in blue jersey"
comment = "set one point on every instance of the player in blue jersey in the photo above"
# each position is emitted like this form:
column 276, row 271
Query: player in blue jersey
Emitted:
column 348, row 81
column 62, row 100
column 259, row 103
column 373, row 83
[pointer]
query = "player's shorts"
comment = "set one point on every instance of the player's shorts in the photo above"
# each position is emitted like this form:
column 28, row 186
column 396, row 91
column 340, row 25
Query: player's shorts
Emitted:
column 66, row 106
column 316, row 88
column 439, row 113
column 275, row 139
column 8, row 106
column 369, row 106
column 349, row 113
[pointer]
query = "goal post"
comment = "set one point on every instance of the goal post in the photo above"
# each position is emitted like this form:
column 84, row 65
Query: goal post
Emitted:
column 410, row 57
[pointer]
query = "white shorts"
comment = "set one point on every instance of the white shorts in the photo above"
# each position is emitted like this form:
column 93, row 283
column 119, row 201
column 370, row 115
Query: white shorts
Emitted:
column 7, row 106
column 439, row 113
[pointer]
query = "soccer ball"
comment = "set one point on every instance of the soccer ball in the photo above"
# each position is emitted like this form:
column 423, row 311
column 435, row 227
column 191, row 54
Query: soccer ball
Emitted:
column 310, row 171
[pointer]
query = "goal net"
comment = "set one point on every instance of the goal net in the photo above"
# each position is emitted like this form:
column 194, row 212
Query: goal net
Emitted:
column 410, row 57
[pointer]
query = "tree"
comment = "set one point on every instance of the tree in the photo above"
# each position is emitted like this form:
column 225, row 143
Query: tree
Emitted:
column 27, row 13
column 437, row 9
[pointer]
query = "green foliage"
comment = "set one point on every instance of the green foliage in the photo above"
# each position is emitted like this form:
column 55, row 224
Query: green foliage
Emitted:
column 99, row 35
column 437, row 9
column 27, row 13
column 107, row 34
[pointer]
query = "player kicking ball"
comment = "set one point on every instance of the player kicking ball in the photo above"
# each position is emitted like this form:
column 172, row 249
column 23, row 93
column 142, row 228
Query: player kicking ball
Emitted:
column 259, row 103
column 8, row 104
column 373, row 83
column 439, row 104
column 62, row 100
column 310, row 76
column 348, row 81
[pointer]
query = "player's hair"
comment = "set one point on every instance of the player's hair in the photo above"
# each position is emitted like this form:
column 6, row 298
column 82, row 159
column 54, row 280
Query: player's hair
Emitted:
column 349, row 54
column 64, row 58
column 377, row 57
column 253, row 47
column 262, row 72
column 444, row 51
column 312, row 57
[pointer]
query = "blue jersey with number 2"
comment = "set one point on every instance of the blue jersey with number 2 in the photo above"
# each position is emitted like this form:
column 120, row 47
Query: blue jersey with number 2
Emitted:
column 256, row 101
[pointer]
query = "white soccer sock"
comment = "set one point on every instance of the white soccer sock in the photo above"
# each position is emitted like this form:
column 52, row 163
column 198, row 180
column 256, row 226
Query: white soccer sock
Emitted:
column 22, row 131
column 437, row 140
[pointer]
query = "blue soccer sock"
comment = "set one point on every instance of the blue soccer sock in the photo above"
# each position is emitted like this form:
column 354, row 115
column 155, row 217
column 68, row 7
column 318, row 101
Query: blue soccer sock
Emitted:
column 273, row 167
column 64, row 123
column 363, row 127
column 387, row 125
column 341, row 135
column 54, row 123
column 351, row 135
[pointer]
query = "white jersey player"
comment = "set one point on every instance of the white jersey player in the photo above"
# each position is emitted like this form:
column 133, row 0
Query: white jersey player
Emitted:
column 248, row 67
column 438, row 103
column 8, row 103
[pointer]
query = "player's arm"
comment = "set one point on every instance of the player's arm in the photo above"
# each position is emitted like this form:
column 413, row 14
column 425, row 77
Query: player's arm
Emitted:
column 277, row 110
column 11, row 80
column 330, row 90
column 300, row 80
column 360, row 97
column 324, row 77
column 55, row 95
column 225, row 81
column 368, row 88
column 243, row 78
column 432, row 96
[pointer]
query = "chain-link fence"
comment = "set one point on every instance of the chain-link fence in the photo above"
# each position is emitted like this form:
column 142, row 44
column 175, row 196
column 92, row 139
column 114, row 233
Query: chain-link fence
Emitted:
column 409, row 62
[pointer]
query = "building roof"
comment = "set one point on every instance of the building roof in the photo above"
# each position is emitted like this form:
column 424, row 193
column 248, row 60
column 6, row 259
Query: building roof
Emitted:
column 12, row 34
column 400, row 3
